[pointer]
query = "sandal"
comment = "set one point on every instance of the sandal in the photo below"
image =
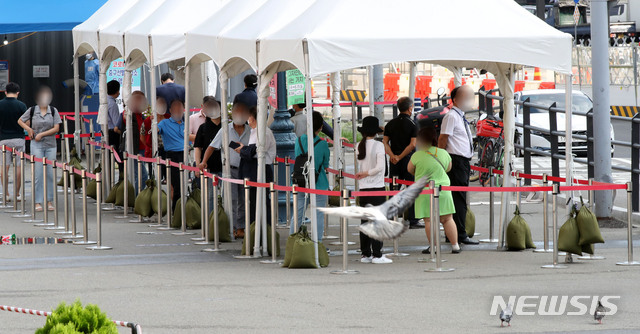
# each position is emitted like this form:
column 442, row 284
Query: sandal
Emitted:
column 38, row 208
column 50, row 207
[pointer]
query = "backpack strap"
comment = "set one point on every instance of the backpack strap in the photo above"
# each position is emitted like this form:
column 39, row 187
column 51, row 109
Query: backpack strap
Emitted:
column 33, row 109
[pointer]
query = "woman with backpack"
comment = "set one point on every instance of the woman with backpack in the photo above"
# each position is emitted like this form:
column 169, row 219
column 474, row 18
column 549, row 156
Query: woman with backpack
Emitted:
column 371, row 166
column 42, row 122
column 434, row 162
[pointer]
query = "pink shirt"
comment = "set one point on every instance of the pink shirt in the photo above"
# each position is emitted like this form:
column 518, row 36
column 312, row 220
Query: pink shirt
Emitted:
column 195, row 120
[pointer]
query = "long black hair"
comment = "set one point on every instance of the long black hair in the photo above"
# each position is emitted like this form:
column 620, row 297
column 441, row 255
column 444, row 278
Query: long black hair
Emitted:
column 428, row 134
column 362, row 146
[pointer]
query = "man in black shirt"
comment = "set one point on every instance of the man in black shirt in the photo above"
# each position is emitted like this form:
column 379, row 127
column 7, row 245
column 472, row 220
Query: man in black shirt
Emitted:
column 206, row 132
column 11, row 134
column 399, row 144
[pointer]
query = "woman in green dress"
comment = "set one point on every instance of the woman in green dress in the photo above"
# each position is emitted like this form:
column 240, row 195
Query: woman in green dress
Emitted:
column 434, row 162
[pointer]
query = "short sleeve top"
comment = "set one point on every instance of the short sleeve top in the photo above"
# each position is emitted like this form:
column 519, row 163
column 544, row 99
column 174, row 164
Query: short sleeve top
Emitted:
column 41, row 123
column 432, row 163
column 400, row 131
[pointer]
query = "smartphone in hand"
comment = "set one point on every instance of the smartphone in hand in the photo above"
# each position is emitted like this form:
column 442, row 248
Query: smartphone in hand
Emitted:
column 233, row 145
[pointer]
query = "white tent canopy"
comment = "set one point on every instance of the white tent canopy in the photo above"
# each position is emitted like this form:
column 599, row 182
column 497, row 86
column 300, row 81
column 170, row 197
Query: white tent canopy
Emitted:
column 85, row 35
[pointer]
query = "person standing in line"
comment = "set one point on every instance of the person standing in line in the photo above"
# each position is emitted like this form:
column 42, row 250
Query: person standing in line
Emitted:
column 455, row 137
column 172, row 131
column 204, row 136
column 248, row 97
column 11, row 134
column 371, row 166
column 137, row 104
column 169, row 91
column 400, row 143
column 299, row 119
column 42, row 122
column 147, row 135
column 434, row 163
column 249, row 161
column 239, row 132
column 113, row 115
column 321, row 159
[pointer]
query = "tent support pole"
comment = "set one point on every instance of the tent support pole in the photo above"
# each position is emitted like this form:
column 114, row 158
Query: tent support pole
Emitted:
column 226, row 169
column 568, row 88
column 76, row 104
column 507, row 80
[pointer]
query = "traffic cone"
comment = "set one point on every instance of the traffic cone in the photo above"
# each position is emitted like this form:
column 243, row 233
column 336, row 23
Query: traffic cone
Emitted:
column 536, row 74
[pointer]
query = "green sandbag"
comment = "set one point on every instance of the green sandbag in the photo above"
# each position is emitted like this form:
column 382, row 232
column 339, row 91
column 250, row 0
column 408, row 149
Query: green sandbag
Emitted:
column 196, row 196
column 224, row 232
column 131, row 199
column 111, row 198
column 288, row 249
column 142, row 205
column 470, row 223
column 323, row 256
column 569, row 236
column 589, row 249
column 192, row 214
column 588, row 227
column 76, row 163
column 252, row 242
column 517, row 233
column 334, row 200
column 154, row 200
column 92, row 186
column 303, row 254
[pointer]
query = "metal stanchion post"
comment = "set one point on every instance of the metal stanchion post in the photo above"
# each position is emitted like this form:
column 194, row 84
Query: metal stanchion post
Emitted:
column 85, row 220
column 294, row 193
column 5, row 180
column 203, row 213
column 112, row 168
column 276, row 168
column 45, row 188
column 109, row 173
column 395, row 241
column 491, row 239
column 345, row 247
column 247, row 232
column 287, row 172
column 125, row 186
column 274, row 209
column 65, row 185
column 99, row 245
column 591, row 204
column 33, row 193
column 342, row 236
column 139, row 182
column 159, row 199
column 545, row 218
column 432, row 229
column 518, row 193
column 630, row 261
column 72, row 200
column 183, row 202
column 19, row 213
column 435, row 224
column 56, row 221
column 554, row 203
column 216, row 232
column 169, row 199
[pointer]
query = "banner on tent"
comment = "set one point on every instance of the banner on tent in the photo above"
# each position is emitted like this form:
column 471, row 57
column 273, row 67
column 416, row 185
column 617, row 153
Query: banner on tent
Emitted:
column 273, row 92
column 295, row 87
column 116, row 72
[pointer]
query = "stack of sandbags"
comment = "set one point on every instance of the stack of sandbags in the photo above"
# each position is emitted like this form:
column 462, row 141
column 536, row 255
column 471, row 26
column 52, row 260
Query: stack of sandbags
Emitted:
column 92, row 185
column 580, row 232
column 76, row 163
column 252, row 240
column 192, row 212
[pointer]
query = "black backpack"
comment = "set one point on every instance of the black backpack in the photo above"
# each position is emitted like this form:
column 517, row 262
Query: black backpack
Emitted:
column 33, row 110
column 298, row 176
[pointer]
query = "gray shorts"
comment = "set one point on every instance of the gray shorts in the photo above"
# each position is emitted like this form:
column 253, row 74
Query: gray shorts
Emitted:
column 14, row 144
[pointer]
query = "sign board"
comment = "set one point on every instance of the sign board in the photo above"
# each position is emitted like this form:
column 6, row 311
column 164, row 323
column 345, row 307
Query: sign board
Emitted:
column 352, row 95
column 116, row 72
column 40, row 71
column 4, row 75
column 273, row 92
column 295, row 87
column 576, row 15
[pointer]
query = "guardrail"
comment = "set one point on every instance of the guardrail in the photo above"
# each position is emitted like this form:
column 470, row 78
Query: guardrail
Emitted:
column 553, row 133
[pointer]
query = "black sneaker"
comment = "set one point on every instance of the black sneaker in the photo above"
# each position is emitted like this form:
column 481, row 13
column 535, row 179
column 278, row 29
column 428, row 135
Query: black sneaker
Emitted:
column 456, row 251
column 426, row 250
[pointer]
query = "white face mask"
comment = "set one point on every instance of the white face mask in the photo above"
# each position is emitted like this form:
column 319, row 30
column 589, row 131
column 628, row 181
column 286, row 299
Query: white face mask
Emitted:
column 212, row 113
column 238, row 119
column 466, row 105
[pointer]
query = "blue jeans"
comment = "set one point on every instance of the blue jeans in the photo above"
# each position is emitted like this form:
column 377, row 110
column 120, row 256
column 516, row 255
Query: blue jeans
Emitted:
column 321, row 202
column 43, row 152
column 145, row 175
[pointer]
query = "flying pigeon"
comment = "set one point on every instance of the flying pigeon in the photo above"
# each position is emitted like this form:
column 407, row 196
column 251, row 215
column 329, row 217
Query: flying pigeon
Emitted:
column 379, row 225
column 505, row 316
column 599, row 313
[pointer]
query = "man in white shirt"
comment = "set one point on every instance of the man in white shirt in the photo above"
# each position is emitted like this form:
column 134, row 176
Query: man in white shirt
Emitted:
column 299, row 119
column 455, row 137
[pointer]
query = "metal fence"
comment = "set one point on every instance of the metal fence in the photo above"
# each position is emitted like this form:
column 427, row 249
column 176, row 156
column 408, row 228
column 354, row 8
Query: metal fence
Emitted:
column 553, row 134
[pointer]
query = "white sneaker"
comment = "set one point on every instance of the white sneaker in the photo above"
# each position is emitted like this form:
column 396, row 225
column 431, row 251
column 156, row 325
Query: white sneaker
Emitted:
column 381, row 260
column 366, row 259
